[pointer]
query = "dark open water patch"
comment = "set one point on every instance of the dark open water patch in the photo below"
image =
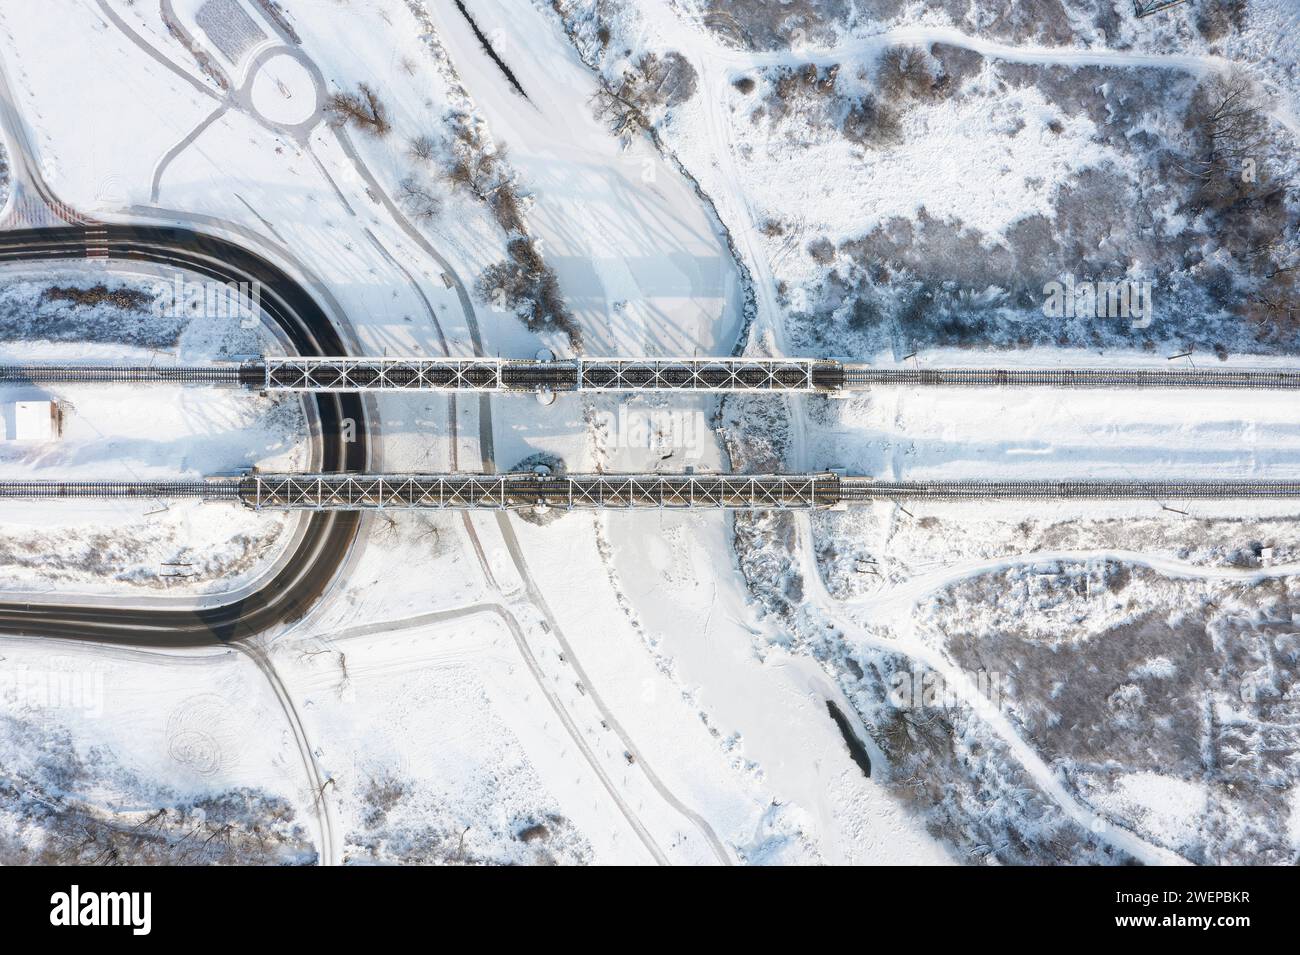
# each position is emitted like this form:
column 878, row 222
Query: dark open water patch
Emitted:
column 487, row 48
column 856, row 749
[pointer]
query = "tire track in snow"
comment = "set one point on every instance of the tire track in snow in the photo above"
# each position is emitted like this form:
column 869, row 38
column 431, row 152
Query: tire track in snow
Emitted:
column 905, row 595
column 319, row 781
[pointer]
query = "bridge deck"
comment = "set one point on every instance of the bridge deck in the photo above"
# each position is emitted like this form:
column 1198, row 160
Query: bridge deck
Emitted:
column 792, row 375
column 526, row 489
column 622, row 491
column 502, row 374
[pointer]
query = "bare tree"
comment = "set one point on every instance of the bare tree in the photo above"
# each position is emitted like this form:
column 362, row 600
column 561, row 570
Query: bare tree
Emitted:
column 871, row 123
column 1274, row 307
column 476, row 165
column 423, row 147
column 1229, row 132
column 904, row 73
column 477, row 172
column 418, row 199
column 362, row 109
column 525, row 284
column 649, row 84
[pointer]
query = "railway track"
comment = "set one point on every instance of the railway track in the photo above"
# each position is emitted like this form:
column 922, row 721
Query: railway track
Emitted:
column 526, row 489
column 333, row 374
column 857, row 377
column 863, row 490
column 150, row 374
column 579, row 374
column 113, row 490
column 520, row 490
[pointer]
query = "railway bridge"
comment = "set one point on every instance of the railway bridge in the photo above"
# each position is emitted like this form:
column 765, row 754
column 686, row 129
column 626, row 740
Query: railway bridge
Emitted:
column 311, row 374
column 527, row 489
column 315, row 374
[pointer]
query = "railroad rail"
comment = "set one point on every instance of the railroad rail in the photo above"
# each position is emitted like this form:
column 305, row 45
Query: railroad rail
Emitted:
column 856, row 377
column 858, row 490
column 526, row 489
column 789, row 375
column 214, row 374
column 334, row 374
column 579, row 374
column 209, row 489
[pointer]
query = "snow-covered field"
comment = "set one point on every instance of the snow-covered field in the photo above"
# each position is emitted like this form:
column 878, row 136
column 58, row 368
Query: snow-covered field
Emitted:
column 120, row 432
column 698, row 178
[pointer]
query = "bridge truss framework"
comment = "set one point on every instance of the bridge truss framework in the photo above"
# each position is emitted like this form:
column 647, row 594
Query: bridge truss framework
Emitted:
column 787, row 375
column 527, row 489
column 509, row 374
column 517, row 490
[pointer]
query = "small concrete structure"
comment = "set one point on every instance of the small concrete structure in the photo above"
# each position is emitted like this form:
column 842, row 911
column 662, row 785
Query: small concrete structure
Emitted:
column 36, row 421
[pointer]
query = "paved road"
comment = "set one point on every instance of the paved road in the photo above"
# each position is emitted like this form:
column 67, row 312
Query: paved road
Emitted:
column 327, row 538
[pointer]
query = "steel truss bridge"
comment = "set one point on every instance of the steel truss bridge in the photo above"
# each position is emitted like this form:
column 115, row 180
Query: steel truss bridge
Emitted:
column 518, row 490
column 791, row 375
column 311, row 374
column 579, row 374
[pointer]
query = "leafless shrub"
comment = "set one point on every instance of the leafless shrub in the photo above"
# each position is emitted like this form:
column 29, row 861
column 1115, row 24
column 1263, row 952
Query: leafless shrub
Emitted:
column 537, row 832
column 363, row 110
column 423, row 147
column 482, row 169
column 126, row 298
column 1228, row 131
column 476, row 172
column 1274, row 307
column 418, row 199
column 507, row 210
column 525, row 284
column 807, row 89
column 1216, row 20
column 904, row 74
column 380, row 797
column 870, row 123
column 821, row 250
column 651, row 84
column 477, row 165
column 808, row 78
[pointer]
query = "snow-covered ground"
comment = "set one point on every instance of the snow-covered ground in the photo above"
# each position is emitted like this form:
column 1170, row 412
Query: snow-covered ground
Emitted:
column 119, row 432
column 897, row 223
column 646, row 688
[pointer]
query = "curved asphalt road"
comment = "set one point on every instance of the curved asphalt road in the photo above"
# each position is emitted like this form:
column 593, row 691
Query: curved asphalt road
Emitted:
column 328, row 536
